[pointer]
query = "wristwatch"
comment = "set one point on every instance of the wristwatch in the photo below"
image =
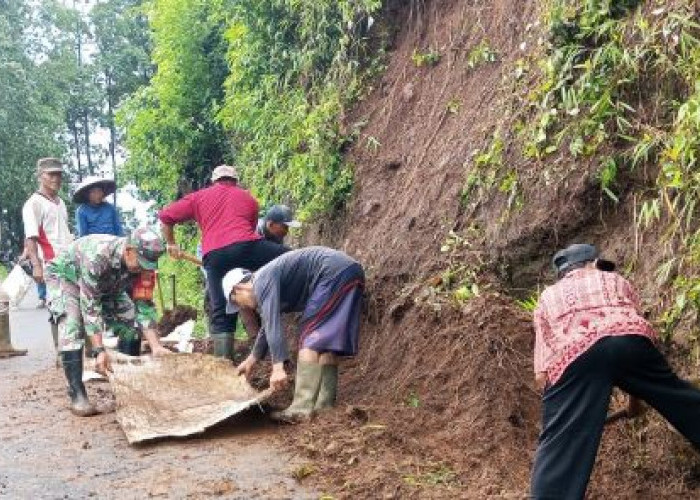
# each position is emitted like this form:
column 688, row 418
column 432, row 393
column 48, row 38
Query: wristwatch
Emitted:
column 96, row 351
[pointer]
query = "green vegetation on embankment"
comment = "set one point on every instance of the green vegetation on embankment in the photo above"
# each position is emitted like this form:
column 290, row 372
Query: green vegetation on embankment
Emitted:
column 615, row 85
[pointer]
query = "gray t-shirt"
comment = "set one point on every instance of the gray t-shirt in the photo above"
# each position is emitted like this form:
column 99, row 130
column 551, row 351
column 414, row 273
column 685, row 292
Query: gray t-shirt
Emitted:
column 285, row 285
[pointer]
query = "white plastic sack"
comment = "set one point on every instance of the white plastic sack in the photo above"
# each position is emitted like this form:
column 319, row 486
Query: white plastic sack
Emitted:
column 182, row 334
column 17, row 284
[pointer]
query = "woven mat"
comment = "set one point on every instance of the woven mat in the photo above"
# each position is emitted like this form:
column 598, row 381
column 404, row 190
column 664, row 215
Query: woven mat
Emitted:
column 177, row 395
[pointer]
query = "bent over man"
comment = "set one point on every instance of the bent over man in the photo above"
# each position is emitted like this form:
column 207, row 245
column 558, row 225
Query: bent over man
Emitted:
column 326, row 286
column 590, row 337
column 87, row 295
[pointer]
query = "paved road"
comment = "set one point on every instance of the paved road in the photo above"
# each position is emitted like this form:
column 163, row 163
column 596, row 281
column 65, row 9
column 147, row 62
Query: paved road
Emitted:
column 45, row 452
column 30, row 330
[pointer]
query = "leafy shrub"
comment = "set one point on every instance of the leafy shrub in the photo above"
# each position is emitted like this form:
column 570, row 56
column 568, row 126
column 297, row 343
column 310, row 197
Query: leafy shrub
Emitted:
column 294, row 67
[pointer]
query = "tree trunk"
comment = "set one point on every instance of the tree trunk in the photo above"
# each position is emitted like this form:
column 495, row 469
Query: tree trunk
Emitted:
column 112, row 129
column 86, row 131
column 86, row 128
column 76, row 140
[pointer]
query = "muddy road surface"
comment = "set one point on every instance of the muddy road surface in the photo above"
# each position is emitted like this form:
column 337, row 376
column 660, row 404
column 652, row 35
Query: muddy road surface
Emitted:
column 45, row 452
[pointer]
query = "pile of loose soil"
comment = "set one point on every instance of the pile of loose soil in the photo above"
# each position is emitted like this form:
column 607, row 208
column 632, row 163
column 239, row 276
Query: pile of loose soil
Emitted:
column 172, row 318
column 435, row 410
column 447, row 409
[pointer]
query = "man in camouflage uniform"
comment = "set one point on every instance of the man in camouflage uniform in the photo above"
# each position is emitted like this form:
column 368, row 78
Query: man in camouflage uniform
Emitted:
column 87, row 286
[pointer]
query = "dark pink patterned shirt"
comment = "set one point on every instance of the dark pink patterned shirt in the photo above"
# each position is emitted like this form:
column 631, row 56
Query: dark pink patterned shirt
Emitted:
column 581, row 308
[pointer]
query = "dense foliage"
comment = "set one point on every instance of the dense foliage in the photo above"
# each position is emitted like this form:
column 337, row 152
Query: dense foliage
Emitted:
column 294, row 66
column 171, row 125
column 258, row 83
column 32, row 106
column 62, row 74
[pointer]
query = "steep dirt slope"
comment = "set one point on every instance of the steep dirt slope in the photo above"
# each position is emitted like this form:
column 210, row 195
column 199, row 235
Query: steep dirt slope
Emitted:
column 440, row 402
column 407, row 188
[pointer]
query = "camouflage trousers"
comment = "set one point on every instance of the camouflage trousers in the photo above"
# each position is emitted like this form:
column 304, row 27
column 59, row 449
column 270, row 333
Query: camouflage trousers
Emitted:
column 120, row 315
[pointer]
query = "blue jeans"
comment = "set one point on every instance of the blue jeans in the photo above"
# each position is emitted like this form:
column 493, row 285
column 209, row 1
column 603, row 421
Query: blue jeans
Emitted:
column 41, row 290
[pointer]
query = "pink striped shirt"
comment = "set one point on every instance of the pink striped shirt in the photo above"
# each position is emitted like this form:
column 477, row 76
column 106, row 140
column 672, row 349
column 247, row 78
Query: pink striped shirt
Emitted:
column 224, row 212
column 580, row 309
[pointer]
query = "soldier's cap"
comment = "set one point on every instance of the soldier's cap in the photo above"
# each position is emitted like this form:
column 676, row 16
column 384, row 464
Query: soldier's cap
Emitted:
column 48, row 165
column 224, row 171
column 282, row 214
column 232, row 278
column 564, row 259
column 149, row 247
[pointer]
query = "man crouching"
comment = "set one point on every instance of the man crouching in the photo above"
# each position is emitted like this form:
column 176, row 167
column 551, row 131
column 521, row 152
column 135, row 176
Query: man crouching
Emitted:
column 87, row 286
column 326, row 286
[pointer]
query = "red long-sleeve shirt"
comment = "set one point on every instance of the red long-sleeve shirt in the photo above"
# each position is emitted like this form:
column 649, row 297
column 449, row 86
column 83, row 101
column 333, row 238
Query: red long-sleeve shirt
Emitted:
column 580, row 309
column 225, row 214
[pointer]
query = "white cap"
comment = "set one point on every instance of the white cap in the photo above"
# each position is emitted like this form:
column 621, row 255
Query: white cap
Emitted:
column 224, row 171
column 231, row 279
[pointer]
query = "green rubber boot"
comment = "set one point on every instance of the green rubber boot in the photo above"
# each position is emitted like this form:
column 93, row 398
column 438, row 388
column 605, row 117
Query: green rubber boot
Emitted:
column 222, row 345
column 329, row 387
column 307, row 385
column 73, row 367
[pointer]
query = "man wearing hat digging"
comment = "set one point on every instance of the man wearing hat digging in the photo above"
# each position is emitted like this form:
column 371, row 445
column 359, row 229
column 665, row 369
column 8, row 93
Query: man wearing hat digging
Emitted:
column 226, row 214
column 590, row 336
column 325, row 285
column 94, row 215
column 87, row 295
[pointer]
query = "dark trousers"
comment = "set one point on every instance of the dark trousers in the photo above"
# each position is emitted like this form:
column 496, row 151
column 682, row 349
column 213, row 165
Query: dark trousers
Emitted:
column 574, row 410
column 251, row 255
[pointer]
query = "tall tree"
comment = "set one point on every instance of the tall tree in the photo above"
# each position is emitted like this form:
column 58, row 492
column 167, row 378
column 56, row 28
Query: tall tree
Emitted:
column 31, row 108
column 123, row 60
column 171, row 127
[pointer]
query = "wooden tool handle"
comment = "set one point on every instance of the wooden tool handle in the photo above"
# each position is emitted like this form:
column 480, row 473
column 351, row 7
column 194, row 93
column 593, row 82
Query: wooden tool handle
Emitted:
column 191, row 258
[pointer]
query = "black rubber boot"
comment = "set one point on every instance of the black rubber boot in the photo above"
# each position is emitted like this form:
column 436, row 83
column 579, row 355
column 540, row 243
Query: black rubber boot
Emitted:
column 222, row 345
column 54, row 335
column 130, row 347
column 73, row 368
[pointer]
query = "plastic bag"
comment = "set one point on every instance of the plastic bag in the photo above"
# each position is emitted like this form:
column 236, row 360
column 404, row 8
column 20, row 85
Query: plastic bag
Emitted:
column 17, row 284
column 182, row 334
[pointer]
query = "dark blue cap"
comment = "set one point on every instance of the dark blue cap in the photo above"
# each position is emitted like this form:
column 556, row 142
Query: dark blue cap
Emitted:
column 574, row 254
column 282, row 214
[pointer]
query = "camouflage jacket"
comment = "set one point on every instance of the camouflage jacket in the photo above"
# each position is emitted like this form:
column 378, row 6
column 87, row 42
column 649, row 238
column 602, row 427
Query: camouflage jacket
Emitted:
column 93, row 264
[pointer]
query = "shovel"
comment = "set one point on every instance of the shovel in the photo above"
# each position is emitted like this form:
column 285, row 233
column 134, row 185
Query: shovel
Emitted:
column 178, row 314
column 190, row 258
